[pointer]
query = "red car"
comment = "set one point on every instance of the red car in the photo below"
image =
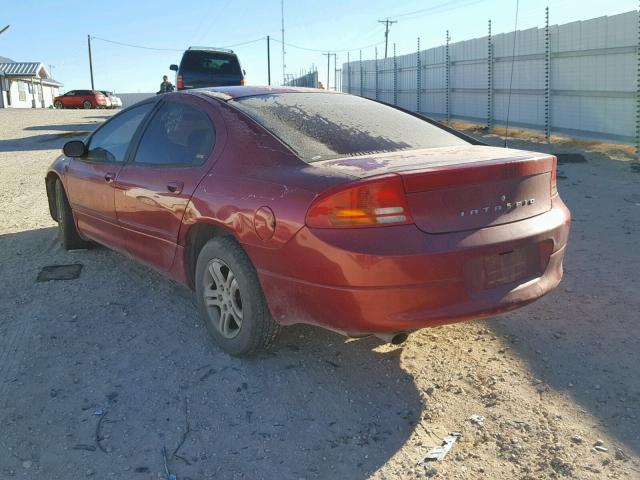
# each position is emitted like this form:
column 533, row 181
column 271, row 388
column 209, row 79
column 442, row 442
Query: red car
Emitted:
column 81, row 99
column 285, row 205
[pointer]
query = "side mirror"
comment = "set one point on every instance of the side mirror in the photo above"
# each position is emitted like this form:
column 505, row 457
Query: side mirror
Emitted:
column 74, row 148
column 173, row 67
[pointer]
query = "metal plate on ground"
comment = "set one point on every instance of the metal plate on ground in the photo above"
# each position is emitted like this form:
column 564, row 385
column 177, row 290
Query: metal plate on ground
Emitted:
column 59, row 272
column 564, row 158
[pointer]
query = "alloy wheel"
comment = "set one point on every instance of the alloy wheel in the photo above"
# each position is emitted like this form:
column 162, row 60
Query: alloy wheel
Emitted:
column 222, row 298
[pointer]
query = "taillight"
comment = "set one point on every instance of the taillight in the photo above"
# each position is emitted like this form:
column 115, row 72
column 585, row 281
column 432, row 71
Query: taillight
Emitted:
column 554, row 177
column 242, row 81
column 179, row 81
column 370, row 203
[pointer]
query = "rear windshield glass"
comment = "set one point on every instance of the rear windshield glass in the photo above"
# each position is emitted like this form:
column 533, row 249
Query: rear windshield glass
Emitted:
column 321, row 126
column 214, row 63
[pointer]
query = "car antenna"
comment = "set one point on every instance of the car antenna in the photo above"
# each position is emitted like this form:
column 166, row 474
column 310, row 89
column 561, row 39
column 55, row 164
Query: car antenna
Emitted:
column 513, row 61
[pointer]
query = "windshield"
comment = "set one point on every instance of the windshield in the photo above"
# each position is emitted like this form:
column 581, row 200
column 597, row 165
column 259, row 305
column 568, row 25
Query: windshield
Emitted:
column 321, row 126
column 214, row 63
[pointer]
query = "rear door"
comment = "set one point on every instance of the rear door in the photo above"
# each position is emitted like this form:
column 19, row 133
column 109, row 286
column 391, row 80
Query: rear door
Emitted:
column 174, row 153
column 90, row 179
column 201, row 68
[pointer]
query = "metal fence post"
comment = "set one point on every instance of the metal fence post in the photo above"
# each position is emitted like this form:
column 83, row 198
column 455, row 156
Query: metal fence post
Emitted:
column 361, row 76
column 418, row 78
column 376, row 80
column 489, row 80
column 638, row 90
column 547, row 77
column 447, row 80
column 348, row 74
column 395, row 76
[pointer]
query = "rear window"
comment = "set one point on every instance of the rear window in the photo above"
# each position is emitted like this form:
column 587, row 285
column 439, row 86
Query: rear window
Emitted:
column 321, row 126
column 214, row 63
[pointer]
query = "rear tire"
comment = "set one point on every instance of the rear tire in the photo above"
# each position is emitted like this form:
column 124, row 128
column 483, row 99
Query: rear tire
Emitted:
column 231, row 300
column 87, row 105
column 67, row 231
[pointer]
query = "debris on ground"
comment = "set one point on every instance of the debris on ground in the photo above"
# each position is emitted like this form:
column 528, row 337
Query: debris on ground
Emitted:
column 59, row 272
column 477, row 419
column 438, row 453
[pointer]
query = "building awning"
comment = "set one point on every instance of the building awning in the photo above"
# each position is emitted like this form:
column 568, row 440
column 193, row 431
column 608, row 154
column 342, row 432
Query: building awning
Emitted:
column 29, row 69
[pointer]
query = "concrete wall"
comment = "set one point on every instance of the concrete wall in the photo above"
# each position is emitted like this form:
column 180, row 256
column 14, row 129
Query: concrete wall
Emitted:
column 592, row 73
column 129, row 99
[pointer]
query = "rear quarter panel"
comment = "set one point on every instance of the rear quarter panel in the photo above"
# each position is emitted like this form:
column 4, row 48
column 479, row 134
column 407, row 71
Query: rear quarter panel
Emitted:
column 253, row 171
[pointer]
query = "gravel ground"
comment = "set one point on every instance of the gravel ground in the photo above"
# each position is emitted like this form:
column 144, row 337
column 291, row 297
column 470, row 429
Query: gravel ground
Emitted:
column 100, row 375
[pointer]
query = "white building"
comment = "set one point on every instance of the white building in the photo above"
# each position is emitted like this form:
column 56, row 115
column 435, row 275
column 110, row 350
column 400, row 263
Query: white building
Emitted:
column 26, row 85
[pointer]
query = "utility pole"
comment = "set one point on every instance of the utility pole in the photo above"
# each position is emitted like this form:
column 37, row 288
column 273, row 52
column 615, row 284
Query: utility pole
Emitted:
column 387, row 24
column 90, row 61
column 4, row 29
column 335, row 71
column 328, row 54
column 284, row 66
column 268, row 60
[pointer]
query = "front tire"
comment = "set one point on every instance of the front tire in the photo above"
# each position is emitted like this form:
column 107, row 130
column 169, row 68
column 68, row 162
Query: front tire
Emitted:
column 231, row 300
column 58, row 105
column 67, row 231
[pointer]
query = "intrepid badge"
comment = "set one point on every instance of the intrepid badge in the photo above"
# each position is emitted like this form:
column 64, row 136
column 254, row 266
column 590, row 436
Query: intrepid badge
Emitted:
column 501, row 207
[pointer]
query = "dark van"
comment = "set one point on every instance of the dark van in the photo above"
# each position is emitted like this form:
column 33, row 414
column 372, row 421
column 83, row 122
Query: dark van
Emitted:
column 208, row 67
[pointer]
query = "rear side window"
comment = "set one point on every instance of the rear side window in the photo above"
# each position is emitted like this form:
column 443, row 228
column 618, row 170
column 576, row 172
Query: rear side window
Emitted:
column 178, row 134
column 319, row 126
column 214, row 63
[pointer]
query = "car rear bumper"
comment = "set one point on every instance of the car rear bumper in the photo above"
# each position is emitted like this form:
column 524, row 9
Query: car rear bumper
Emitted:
column 396, row 279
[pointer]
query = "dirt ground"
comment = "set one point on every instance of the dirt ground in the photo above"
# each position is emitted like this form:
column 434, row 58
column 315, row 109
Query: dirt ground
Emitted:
column 100, row 375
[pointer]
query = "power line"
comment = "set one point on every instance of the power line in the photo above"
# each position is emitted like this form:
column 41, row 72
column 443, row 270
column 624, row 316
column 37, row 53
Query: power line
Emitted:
column 513, row 61
column 138, row 46
column 435, row 9
column 143, row 47
column 324, row 50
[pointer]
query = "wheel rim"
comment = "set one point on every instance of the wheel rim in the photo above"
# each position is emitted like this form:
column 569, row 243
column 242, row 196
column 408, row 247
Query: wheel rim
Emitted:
column 222, row 298
column 87, row 105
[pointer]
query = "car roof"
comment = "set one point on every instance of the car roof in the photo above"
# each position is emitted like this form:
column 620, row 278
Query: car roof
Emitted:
column 235, row 92
column 210, row 49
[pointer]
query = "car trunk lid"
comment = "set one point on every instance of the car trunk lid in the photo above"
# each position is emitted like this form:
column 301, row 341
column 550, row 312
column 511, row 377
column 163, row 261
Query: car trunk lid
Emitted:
column 454, row 189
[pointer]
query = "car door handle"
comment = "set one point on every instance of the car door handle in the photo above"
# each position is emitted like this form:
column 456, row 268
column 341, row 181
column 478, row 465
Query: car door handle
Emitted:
column 175, row 186
column 109, row 177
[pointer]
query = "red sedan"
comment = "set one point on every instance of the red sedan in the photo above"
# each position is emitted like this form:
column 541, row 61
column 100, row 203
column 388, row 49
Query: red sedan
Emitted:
column 82, row 99
column 282, row 206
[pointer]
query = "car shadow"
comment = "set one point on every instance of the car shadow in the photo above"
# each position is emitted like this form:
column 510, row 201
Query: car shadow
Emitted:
column 124, row 343
column 45, row 141
column 50, row 140
column 67, row 127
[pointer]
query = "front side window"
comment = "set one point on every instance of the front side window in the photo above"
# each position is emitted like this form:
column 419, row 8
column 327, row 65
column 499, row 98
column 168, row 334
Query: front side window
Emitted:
column 178, row 134
column 320, row 126
column 110, row 143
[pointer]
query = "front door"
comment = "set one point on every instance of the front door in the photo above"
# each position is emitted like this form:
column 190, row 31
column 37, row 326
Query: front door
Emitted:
column 154, row 187
column 91, row 178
